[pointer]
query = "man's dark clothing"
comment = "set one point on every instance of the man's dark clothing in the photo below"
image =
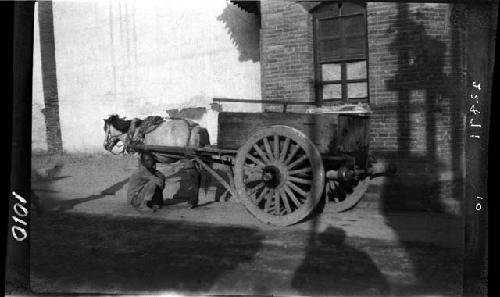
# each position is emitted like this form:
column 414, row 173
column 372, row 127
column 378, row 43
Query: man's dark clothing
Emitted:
column 144, row 186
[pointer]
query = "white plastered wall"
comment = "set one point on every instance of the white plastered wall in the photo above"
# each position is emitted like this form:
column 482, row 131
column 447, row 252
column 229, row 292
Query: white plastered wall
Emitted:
column 138, row 58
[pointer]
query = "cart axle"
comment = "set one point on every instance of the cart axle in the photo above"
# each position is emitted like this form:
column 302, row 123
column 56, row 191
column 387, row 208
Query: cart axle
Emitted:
column 350, row 175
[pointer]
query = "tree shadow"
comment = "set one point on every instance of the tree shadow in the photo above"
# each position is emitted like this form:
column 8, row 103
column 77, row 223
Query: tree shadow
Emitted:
column 243, row 29
column 421, row 62
column 42, row 204
column 333, row 268
column 73, row 253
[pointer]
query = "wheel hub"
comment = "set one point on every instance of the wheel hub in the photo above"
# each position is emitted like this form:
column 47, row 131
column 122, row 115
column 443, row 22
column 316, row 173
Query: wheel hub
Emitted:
column 271, row 176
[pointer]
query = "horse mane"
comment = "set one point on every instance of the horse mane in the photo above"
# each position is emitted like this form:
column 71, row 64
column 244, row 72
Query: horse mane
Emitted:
column 120, row 124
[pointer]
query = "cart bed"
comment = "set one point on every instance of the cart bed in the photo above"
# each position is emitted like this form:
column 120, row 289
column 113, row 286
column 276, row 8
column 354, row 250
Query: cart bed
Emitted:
column 328, row 131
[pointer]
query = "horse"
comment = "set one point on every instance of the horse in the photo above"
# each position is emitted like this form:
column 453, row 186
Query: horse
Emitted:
column 176, row 132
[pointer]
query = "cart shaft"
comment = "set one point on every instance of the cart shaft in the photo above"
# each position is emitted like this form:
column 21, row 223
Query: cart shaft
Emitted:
column 183, row 151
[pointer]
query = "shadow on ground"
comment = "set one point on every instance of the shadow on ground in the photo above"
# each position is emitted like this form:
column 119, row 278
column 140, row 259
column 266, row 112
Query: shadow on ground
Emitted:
column 41, row 205
column 333, row 267
column 336, row 265
column 104, row 254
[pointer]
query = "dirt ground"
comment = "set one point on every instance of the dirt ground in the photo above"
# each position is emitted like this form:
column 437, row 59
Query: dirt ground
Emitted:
column 88, row 240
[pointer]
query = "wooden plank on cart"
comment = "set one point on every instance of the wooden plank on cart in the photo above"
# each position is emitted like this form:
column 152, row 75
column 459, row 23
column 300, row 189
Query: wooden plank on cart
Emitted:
column 331, row 133
column 236, row 128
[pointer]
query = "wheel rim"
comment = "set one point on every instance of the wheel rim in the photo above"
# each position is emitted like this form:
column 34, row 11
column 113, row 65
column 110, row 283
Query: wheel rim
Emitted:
column 279, row 175
column 343, row 196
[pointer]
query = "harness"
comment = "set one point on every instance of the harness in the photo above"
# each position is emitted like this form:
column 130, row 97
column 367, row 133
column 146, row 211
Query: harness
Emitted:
column 190, row 126
column 139, row 128
column 115, row 139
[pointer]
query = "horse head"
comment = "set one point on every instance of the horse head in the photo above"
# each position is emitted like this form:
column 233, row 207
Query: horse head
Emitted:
column 115, row 129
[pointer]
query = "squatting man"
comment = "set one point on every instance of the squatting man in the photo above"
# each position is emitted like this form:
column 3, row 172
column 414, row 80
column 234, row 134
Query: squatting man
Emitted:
column 146, row 184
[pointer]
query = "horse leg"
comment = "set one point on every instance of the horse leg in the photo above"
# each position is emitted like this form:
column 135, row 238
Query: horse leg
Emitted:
column 195, row 176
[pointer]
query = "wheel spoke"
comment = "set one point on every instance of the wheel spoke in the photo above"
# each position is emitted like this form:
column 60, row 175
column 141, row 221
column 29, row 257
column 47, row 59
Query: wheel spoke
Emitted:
column 284, row 149
column 261, row 153
column 300, row 180
column 254, row 190
column 261, row 195
column 285, row 200
column 268, row 149
column 277, row 201
column 298, row 161
column 300, row 171
column 256, row 161
column 297, row 189
column 269, row 196
column 276, row 146
column 295, row 149
column 292, row 196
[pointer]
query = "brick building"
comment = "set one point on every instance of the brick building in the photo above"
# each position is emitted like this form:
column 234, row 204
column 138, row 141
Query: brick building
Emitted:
column 407, row 60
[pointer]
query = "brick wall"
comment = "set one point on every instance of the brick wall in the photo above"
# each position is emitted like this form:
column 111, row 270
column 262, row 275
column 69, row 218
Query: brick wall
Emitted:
column 416, row 74
column 413, row 76
column 287, row 68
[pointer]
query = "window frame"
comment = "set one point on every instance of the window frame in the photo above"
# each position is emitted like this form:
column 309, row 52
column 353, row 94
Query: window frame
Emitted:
column 322, row 12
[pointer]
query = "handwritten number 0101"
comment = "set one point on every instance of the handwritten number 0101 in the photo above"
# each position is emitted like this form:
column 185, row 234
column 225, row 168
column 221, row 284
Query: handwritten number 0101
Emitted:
column 18, row 232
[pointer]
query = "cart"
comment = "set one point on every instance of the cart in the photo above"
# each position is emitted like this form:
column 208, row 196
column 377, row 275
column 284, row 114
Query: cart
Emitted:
column 281, row 164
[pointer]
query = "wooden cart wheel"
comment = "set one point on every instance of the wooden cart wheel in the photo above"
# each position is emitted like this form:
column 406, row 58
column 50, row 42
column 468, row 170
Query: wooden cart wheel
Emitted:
column 279, row 175
column 344, row 195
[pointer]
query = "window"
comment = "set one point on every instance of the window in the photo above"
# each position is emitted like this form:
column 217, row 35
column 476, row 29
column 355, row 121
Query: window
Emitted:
column 340, row 53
